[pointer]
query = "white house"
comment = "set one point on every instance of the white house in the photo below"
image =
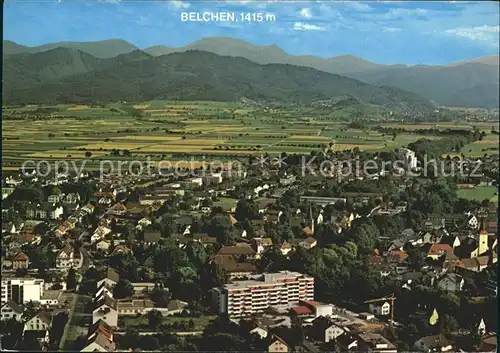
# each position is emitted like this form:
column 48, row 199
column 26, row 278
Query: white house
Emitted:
column 308, row 243
column 259, row 331
column 99, row 342
column 105, row 310
column 481, row 328
column 434, row 343
column 102, row 290
column 11, row 310
column 286, row 248
column 40, row 322
column 473, row 222
column 50, row 298
column 380, row 309
column 320, row 218
column 111, row 278
column 260, row 244
column 325, row 330
column 66, row 257
column 99, row 234
column 103, row 245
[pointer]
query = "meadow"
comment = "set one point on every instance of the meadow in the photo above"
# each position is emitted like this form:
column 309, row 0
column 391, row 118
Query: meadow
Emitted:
column 175, row 130
column 480, row 193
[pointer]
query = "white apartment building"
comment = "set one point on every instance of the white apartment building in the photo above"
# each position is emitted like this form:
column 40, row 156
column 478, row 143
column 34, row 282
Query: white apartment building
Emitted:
column 281, row 289
column 22, row 290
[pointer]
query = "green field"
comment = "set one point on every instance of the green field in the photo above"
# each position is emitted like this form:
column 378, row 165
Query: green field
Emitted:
column 173, row 130
column 480, row 193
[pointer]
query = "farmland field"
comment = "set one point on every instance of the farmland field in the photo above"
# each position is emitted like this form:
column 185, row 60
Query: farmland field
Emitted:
column 480, row 193
column 174, row 130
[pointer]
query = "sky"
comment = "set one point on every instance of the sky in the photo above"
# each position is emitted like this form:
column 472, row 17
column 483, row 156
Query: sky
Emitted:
column 384, row 32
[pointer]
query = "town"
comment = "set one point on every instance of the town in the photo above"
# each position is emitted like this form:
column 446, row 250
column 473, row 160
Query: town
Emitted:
column 267, row 257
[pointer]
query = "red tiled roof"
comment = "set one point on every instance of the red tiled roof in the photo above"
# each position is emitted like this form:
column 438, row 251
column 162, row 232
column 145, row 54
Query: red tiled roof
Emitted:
column 400, row 255
column 310, row 240
column 438, row 249
column 20, row 256
column 308, row 231
column 311, row 302
column 302, row 310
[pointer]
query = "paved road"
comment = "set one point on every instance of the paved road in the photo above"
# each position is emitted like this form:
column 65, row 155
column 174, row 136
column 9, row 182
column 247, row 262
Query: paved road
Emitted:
column 78, row 321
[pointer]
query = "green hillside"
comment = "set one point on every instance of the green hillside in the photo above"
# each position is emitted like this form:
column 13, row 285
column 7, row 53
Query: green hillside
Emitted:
column 192, row 75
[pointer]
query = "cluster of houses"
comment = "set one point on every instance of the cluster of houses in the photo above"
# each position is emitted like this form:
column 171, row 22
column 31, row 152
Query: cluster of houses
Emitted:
column 107, row 310
column 454, row 251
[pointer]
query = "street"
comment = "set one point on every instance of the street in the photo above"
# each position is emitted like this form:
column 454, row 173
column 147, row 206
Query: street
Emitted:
column 78, row 321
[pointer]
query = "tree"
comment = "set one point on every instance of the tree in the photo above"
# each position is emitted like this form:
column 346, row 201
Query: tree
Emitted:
column 246, row 209
column 29, row 311
column 365, row 235
column 123, row 289
column 154, row 319
column 71, row 280
column 88, row 154
column 160, row 297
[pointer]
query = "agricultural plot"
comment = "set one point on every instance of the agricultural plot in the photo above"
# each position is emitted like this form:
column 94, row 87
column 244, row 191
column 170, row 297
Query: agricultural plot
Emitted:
column 480, row 193
column 172, row 129
column 489, row 145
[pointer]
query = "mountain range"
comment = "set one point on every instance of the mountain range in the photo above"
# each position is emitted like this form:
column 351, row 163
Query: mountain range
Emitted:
column 64, row 75
column 471, row 83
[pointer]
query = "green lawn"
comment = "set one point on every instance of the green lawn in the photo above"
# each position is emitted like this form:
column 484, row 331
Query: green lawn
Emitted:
column 480, row 193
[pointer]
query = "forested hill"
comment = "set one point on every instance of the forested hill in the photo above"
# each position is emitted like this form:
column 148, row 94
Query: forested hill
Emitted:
column 71, row 76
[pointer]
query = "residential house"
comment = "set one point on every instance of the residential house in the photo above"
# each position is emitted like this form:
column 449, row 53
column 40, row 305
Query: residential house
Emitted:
column 11, row 310
column 20, row 261
column 234, row 266
column 434, row 343
column 88, row 208
column 481, row 328
column 66, row 257
column 106, row 310
column 375, row 342
column 381, row 309
column 476, row 264
column 451, row 282
column 54, row 198
column 103, row 245
column 111, row 278
column 151, row 237
column 324, row 330
column 436, row 251
column 308, row 243
column 277, row 345
column 50, row 298
column 39, row 322
column 143, row 223
column 260, row 244
column 260, row 331
column 472, row 222
column 99, row 234
column 286, row 248
column 121, row 249
column 241, row 251
column 103, row 289
column 100, row 342
column 8, row 228
column 488, row 343
column 347, row 343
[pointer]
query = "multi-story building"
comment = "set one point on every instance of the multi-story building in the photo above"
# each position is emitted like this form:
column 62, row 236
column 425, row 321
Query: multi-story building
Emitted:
column 281, row 289
column 22, row 290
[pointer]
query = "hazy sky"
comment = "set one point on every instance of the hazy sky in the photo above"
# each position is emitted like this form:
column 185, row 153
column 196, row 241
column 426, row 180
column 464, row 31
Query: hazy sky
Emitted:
column 384, row 32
